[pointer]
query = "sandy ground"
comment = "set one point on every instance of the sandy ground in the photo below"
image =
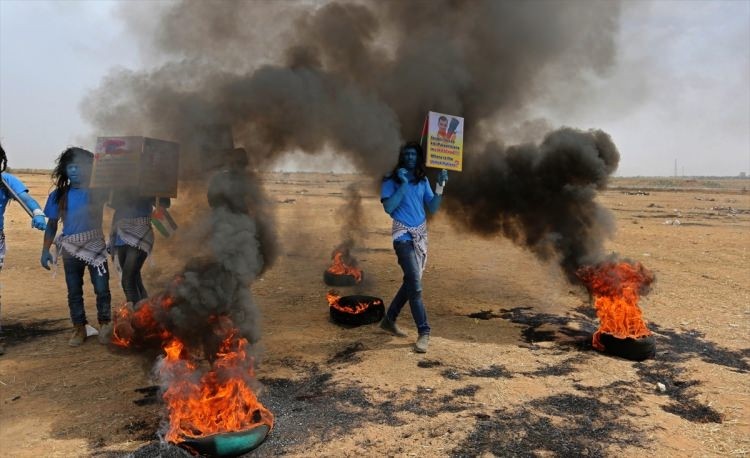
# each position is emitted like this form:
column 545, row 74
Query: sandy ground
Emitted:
column 515, row 381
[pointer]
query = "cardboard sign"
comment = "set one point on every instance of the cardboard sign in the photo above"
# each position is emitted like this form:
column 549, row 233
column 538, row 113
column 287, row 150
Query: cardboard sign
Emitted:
column 443, row 141
column 147, row 164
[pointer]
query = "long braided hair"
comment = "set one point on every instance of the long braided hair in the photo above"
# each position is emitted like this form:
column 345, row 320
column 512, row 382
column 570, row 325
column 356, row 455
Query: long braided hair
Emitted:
column 60, row 174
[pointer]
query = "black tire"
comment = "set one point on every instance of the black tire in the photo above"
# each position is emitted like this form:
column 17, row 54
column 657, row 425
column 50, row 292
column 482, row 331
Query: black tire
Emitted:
column 331, row 279
column 228, row 444
column 629, row 348
column 373, row 314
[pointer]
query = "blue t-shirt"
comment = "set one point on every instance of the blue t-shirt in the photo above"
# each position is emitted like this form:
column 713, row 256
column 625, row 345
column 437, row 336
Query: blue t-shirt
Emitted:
column 411, row 209
column 83, row 210
column 136, row 208
column 16, row 185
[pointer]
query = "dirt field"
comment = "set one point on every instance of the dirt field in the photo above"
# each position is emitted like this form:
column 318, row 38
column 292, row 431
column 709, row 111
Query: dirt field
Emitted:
column 513, row 381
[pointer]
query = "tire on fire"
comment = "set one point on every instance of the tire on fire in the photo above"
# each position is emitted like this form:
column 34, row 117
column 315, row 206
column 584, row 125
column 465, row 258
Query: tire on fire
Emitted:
column 347, row 306
column 635, row 349
column 332, row 279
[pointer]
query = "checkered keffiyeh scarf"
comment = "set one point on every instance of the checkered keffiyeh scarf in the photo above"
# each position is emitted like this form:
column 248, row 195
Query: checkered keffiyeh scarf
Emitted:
column 2, row 248
column 418, row 236
column 135, row 232
column 87, row 246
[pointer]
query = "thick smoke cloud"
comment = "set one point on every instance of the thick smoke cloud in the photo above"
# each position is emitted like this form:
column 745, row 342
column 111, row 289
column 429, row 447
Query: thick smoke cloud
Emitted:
column 541, row 196
column 358, row 77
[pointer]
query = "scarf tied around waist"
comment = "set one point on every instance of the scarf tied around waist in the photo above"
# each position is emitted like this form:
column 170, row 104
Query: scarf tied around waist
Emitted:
column 135, row 232
column 88, row 247
column 2, row 248
column 419, row 237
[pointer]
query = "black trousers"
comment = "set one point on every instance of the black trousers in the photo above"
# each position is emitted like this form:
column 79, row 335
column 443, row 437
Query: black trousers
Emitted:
column 131, row 261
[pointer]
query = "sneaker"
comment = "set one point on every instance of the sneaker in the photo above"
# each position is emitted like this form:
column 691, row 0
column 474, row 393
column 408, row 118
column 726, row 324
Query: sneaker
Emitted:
column 105, row 333
column 389, row 326
column 79, row 335
column 422, row 342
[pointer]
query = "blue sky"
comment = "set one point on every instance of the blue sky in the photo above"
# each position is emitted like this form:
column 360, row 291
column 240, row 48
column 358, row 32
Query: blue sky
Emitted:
column 679, row 90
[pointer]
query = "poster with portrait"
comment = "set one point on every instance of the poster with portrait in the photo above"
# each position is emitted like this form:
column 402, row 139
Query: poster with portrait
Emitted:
column 443, row 141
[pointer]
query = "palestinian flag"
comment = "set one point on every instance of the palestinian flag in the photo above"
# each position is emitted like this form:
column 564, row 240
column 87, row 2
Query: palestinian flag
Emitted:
column 163, row 222
column 423, row 137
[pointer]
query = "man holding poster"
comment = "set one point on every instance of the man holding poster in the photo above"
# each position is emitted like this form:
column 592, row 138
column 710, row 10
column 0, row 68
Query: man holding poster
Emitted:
column 405, row 193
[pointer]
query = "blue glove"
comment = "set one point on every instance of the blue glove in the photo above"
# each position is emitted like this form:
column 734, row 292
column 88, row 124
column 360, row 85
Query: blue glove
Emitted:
column 46, row 259
column 38, row 222
column 442, row 177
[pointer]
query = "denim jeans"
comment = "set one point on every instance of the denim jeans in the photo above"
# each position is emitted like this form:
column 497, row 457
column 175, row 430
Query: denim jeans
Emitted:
column 411, row 288
column 131, row 261
column 74, row 271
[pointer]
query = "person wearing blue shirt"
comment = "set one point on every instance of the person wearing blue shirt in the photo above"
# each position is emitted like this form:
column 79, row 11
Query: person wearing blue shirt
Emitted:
column 405, row 193
column 12, row 188
column 81, row 243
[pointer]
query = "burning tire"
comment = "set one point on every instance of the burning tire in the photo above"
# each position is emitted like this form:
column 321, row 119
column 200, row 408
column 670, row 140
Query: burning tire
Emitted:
column 332, row 279
column 629, row 348
column 227, row 444
column 356, row 310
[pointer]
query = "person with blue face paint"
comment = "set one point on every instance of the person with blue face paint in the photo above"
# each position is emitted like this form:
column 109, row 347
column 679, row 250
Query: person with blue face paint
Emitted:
column 81, row 243
column 405, row 193
column 11, row 188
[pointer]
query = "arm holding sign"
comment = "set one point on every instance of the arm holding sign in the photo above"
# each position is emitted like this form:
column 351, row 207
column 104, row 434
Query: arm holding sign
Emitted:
column 434, row 204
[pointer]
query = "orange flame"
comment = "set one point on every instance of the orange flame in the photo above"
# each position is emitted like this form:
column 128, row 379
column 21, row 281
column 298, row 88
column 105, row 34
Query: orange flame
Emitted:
column 137, row 324
column 220, row 401
column 341, row 265
column 360, row 307
column 617, row 287
column 201, row 401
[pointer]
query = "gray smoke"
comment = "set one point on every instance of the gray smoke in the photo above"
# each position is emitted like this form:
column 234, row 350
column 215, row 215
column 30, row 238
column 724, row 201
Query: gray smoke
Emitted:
column 358, row 77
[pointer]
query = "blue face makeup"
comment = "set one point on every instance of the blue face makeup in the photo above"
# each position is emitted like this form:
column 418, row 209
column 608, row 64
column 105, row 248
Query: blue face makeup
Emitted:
column 77, row 174
column 73, row 172
column 410, row 159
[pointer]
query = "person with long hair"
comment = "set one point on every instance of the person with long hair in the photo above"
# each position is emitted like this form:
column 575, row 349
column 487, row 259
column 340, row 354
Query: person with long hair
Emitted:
column 405, row 193
column 11, row 188
column 81, row 243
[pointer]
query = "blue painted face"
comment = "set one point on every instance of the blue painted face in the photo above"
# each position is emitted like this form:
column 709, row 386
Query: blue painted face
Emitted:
column 410, row 159
column 73, row 172
column 77, row 174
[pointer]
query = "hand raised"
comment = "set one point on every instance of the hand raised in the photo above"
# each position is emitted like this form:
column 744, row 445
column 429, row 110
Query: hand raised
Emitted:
column 443, row 177
column 403, row 175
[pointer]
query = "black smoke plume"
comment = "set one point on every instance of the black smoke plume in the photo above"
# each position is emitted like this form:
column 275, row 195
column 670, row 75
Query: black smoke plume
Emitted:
column 541, row 196
column 358, row 77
